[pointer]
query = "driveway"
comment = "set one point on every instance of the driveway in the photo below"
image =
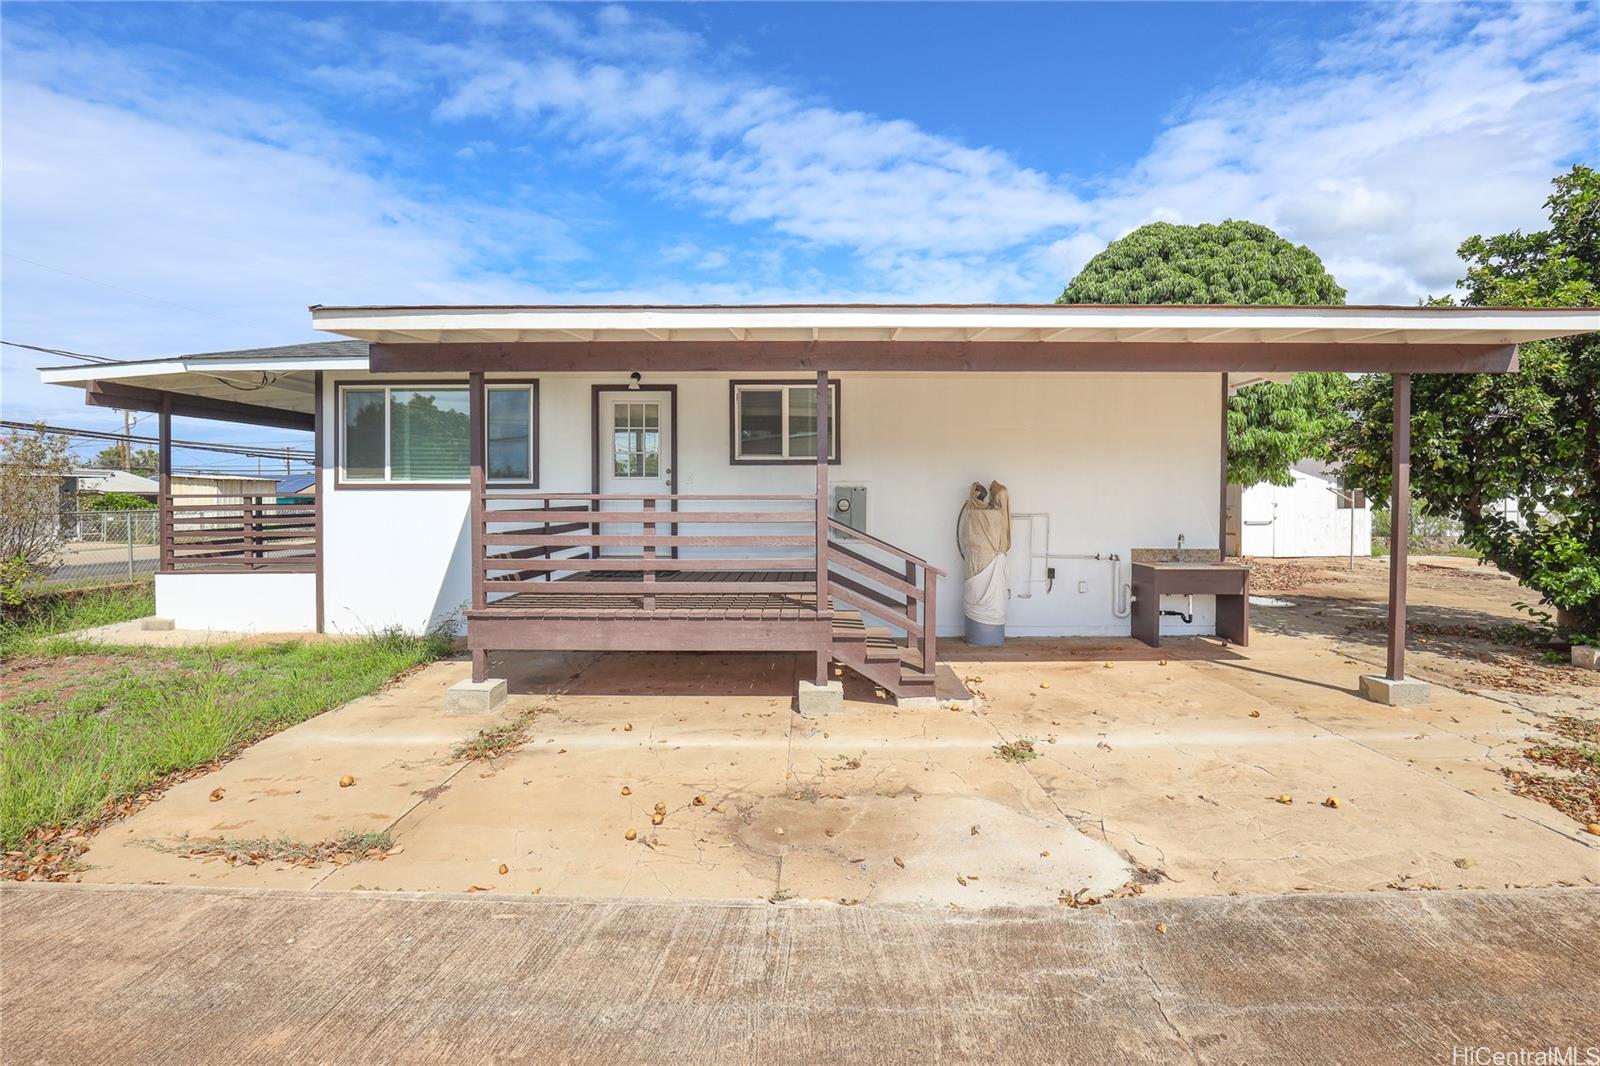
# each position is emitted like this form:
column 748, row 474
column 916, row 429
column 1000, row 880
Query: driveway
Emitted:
column 97, row 975
column 1156, row 772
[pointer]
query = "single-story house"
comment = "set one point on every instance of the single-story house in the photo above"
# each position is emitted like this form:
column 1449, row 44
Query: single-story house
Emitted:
column 85, row 482
column 759, row 478
column 1312, row 516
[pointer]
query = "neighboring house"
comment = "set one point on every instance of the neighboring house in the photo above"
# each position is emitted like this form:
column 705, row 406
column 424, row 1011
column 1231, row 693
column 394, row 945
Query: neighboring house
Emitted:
column 648, row 478
column 301, row 488
column 1314, row 516
column 80, row 486
column 222, row 486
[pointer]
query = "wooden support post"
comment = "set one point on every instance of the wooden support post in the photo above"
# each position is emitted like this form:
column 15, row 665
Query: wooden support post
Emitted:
column 824, row 448
column 475, row 427
column 317, row 511
column 1222, row 490
column 164, row 459
column 930, row 619
column 649, row 552
column 1399, row 525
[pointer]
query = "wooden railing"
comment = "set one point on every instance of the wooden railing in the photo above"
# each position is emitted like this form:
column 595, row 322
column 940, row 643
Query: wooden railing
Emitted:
column 888, row 584
column 526, row 541
column 241, row 535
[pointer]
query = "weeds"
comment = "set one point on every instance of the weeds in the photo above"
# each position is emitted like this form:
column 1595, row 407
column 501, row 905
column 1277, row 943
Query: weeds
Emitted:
column 1018, row 751
column 30, row 627
column 497, row 740
column 175, row 709
column 341, row 850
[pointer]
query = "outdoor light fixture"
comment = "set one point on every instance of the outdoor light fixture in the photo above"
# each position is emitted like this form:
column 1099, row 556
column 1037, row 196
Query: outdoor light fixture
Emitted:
column 633, row 380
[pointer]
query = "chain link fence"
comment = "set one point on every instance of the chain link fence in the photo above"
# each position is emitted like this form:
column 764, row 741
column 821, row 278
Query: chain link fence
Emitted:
column 105, row 546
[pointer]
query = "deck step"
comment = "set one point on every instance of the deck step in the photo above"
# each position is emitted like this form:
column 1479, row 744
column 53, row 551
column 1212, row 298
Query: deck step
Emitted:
column 881, row 646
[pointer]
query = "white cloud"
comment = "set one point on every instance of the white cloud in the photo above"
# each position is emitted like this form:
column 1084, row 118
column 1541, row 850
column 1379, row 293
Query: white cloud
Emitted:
column 1422, row 126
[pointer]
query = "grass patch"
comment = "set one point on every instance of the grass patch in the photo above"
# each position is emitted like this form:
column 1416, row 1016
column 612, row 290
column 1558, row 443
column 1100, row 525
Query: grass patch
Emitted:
column 167, row 710
column 1019, row 750
column 37, row 624
column 497, row 740
column 341, row 850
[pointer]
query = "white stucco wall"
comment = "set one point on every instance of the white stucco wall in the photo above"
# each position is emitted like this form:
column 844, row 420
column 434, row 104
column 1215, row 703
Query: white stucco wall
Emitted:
column 1116, row 461
column 240, row 603
column 1300, row 520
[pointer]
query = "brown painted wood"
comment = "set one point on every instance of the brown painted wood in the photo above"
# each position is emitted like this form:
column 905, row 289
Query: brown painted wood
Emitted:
column 1022, row 356
column 1230, row 585
column 1222, row 485
column 654, row 540
column 634, row 518
column 615, row 497
column 570, row 587
column 1399, row 524
column 317, row 495
column 137, row 398
column 611, row 562
column 601, row 634
column 164, row 458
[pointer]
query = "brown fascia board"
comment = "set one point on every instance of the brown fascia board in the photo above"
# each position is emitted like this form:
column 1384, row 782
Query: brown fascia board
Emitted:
column 942, row 356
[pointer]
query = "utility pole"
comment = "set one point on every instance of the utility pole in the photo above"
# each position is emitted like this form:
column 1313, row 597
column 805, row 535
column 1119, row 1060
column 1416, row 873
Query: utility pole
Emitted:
column 127, row 440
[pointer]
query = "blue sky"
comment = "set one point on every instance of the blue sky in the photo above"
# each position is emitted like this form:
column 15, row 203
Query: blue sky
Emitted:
column 191, row 177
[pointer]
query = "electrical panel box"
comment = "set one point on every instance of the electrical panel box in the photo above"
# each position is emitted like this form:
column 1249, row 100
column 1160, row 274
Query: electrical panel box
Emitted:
column 850, row 506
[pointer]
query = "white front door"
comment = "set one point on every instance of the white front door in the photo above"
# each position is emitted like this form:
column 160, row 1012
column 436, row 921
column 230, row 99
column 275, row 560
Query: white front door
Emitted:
column 635, row 453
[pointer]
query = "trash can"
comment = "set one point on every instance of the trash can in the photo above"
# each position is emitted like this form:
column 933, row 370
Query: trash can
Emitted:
column 983, row 537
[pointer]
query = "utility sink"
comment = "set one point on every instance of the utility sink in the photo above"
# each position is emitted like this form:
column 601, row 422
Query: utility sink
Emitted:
column 1228, row 582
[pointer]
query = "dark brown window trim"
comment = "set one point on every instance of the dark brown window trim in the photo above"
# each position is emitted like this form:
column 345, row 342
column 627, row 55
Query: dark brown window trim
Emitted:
column 835, row 423
column 342, row 485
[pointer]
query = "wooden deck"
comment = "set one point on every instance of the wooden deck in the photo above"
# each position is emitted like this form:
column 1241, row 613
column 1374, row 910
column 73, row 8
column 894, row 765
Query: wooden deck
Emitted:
column 668, row 605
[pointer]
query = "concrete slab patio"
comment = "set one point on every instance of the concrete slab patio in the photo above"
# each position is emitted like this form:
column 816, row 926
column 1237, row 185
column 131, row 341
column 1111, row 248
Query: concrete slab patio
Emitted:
column 99, row 975
column 1157, row 771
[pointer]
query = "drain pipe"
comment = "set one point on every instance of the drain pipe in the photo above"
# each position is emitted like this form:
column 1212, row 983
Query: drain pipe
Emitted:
column 1121, row 591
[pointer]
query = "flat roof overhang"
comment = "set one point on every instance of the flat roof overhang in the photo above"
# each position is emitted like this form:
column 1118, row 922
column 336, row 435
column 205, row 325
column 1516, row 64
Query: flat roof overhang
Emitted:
column 1027, row 338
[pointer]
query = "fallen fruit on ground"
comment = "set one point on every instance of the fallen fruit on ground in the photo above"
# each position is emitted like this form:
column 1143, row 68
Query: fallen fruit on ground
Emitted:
column 216, row 794
column 1255, row 714
column 346, row 781
column 699, row 801
column 898, row 861
column 1594, row 827
column 661, row 808
column 1044, row 684
column 626, row 791
column 1286, row 798
column 1331, row 801
column 1161, row 927
column 657, row 818
column 630, row 835
column 504, row 869
column 628, row 728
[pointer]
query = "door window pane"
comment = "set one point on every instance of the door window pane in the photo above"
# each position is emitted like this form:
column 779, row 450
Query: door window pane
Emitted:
column 510, row 429
column 429, row 435
column 761, row 422
column 363, row 434
column 636, row 440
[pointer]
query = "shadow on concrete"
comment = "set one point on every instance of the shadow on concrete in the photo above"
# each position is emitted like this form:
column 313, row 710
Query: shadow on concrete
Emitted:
column 1452, row 631
column 1089, row 649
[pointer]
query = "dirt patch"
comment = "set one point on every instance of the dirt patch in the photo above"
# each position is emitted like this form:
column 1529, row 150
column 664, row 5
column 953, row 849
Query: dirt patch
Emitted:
column 40, row 684
column 1574, row 789
column 1272, row 575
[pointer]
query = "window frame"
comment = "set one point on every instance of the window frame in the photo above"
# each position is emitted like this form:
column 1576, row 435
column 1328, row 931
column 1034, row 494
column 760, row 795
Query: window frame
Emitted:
column 387, row 386
column 835, row 422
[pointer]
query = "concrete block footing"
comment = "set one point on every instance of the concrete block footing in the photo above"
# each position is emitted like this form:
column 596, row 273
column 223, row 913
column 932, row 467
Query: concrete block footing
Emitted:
column 475, row 697
column 817, row 699
column 157, row 625
column 1586, row 657
column 1406, row 692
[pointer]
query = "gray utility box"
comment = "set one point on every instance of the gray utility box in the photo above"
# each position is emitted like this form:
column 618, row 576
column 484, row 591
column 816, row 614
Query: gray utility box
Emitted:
column 850, row 506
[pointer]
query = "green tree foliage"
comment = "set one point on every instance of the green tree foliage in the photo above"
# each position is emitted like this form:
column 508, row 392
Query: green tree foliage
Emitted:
column 118, row 501
column 1272, row 425
column 1532, row 436
column 33, row 464
column 143, row 461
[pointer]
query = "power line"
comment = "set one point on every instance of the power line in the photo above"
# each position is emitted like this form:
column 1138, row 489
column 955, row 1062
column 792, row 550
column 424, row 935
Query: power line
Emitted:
column 187, row 445
column 108, row 285
column 59, row 351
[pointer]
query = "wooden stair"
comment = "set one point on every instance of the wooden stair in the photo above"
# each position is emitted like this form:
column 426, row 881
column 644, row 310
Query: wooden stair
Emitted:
column 873, row 653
